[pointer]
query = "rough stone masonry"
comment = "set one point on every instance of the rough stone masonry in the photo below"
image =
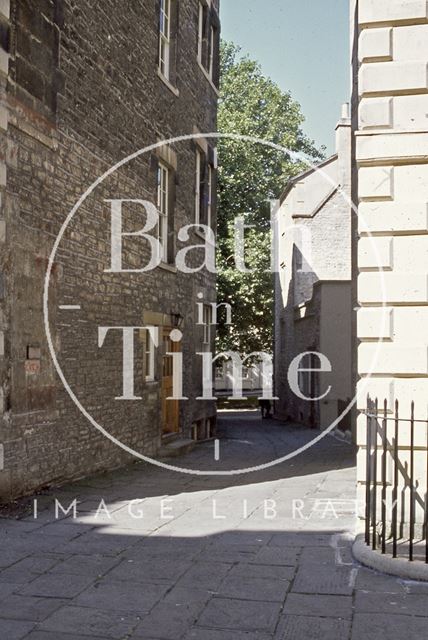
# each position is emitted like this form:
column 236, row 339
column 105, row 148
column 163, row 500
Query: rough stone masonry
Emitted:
column 82, row 88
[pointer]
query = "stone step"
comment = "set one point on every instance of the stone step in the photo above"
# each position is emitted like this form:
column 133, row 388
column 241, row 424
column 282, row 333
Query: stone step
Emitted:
column 176, row 448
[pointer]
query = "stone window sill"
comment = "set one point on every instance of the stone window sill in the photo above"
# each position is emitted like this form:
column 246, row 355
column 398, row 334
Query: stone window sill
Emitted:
column 168, row 267
column 200, row 234
column 207, row 76
column 165, row 80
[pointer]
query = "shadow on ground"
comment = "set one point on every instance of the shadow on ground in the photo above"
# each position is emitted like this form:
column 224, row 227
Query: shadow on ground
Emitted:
column 245, row 441
column 148, row 553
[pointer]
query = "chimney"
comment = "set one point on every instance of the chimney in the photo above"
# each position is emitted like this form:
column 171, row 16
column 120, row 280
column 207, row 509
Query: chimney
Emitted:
column 343, row 146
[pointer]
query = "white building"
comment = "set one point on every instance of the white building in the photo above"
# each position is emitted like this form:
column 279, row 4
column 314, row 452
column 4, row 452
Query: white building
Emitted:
column 313, row 303
column 391, row 183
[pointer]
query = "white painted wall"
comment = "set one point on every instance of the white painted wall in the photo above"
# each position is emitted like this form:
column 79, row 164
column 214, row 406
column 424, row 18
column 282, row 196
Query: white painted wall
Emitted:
column 313, row 290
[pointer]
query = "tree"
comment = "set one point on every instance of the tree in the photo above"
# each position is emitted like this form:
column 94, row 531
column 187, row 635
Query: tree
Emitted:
column 250, row 175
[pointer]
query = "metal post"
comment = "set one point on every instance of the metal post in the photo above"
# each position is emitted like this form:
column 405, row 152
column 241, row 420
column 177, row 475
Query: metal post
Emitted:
column 374, row 501
column 368, row 469
column 395, row 489
column 426, row 503
column 384, row 454
column 412, row 482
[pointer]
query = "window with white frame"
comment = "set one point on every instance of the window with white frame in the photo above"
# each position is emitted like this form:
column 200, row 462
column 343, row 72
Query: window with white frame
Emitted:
column 208, row 36
column 198, row 178
column 165, row 38
column 204, row 190
column 207, row 319
column 211, row 46
column 201, row 30
column 306, row 375
column 163, row 209
column 149, row 358
column 210, row 195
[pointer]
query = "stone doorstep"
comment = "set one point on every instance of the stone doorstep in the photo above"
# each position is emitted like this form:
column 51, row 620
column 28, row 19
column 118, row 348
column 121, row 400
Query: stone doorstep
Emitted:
column 176, row 448
column 400, row 567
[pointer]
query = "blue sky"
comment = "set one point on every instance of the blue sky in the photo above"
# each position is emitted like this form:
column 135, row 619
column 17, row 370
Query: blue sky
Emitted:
column 303, row 45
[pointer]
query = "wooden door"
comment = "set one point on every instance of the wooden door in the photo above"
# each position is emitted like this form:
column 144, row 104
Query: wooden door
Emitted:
column 170, row 408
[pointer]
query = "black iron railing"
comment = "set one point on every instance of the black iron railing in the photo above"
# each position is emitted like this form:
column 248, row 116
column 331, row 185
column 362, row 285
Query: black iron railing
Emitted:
column 395, row 488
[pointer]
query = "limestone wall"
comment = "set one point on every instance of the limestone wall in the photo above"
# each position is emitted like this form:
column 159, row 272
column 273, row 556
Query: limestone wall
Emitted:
column 392, row 165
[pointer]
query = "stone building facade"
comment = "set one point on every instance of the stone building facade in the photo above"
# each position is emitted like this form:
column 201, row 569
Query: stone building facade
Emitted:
column 84, row 85
column 313, row 304
column 391, row 184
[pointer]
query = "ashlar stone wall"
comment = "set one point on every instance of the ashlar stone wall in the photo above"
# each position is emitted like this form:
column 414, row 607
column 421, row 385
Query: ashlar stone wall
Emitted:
column 392, row 164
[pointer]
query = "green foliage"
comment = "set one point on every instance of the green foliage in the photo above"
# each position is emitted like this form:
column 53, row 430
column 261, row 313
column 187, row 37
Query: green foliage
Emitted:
column 251, row 174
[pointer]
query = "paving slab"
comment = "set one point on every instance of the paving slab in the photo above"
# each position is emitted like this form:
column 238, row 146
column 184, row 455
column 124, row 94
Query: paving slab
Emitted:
column 28, row 569
column 301, row 539
column 10, row 527
column 319, row 606
column 164, row 552
column 122, row 596
column 10, row 556
column 186, row 595
column 405, row 604
column 232, row 538
column 6, row 588
column 57, row 586
column 19, row 607
column 317, row 555
column 321, row 579
column 254, row 588
column 211, row 634
column 229, row 554
column 66, row 530
column 372, row 626
column 168, row 621
column 243, row 615
column 277, row 556
column 368, row 580
column 159, row 541
column 91, row 622
column 15, row 629
column 272, row 571
column 155, row 571
column 312, row 628
column 97, row 543
column 32, row 543
column 78, row 565
column 56, row 635
column 205, row 575
column 415, row 587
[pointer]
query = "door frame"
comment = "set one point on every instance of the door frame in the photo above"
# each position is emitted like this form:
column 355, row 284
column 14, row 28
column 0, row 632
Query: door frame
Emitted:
column 170, row 409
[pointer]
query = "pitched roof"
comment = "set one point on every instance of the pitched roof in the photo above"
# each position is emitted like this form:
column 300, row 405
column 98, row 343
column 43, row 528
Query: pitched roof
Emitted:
column 304, row 174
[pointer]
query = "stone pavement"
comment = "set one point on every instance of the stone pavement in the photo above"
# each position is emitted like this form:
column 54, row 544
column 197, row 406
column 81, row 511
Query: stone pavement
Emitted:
column 168, row 556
